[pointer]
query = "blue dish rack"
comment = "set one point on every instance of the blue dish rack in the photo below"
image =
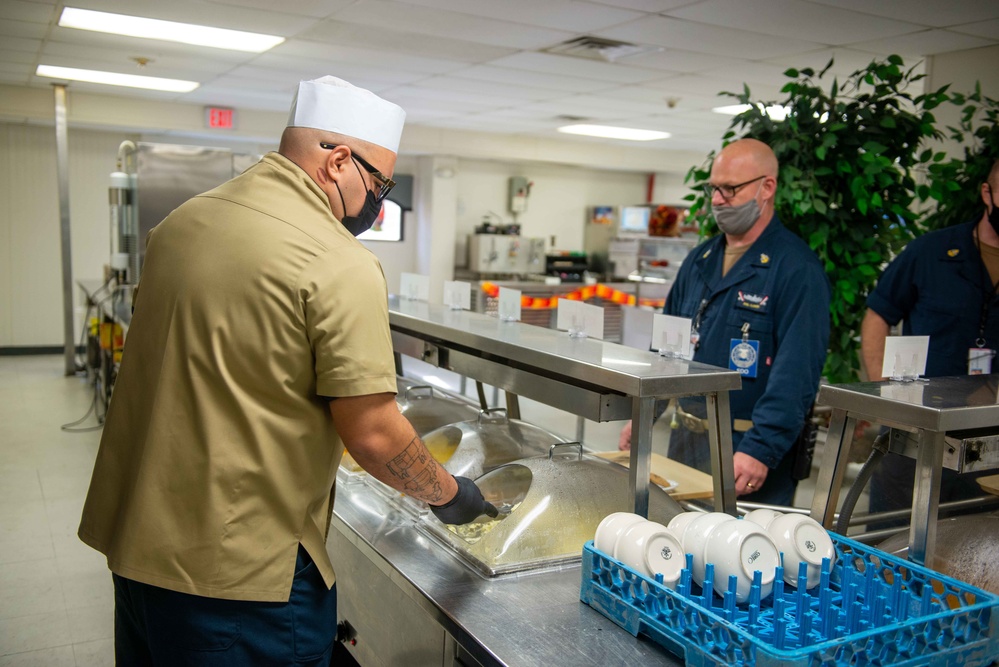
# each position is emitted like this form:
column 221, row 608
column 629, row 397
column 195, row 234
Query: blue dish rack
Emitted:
column 870, row 609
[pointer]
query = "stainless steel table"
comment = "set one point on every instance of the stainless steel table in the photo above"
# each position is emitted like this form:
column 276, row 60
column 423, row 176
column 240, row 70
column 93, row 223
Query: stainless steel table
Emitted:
column 430, row 604
column 930, row 408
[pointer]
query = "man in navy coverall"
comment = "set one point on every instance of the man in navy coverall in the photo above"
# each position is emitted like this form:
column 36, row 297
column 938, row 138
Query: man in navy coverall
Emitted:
column 758, row 299
column 944, row 285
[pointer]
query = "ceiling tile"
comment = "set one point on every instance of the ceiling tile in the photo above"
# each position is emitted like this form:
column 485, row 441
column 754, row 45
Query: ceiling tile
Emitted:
column 359, row 54
column 804, row 20
column 18, row 57
column 23, row 29
column 378, row 14
column 675, row 60
column 925, row 43
column 559, row 14
column 692, row 36
column 314, row 8
column 515, row 94
column 987, row 29
column 645, row 5
column 924, row 12
column 20, row 44
column 33, row 12
column 403, row 43
column 656, row 96
column 406, row 96
column 527, row 78
column 21, row 69
column 362, row 73
column 713, row 86
column 578, row 67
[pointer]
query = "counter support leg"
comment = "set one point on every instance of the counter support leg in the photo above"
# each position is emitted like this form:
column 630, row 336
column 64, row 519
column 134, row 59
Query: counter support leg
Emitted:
column 835, row 456
column 926, row 497
column 643, row 413
column 720, row 441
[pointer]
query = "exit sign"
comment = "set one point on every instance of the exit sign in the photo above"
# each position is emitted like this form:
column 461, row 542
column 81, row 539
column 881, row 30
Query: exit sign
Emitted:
column 219, row 118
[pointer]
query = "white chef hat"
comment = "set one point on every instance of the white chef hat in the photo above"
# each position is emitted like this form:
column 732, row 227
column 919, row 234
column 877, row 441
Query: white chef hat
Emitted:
column 334, row 105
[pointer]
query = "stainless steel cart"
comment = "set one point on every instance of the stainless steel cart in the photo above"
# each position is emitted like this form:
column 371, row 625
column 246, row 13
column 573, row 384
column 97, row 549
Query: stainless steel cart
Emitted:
column 407, row 601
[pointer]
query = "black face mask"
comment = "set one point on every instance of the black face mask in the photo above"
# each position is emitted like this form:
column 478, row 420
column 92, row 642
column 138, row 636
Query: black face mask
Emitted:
column 358, row 224
column 994, row 213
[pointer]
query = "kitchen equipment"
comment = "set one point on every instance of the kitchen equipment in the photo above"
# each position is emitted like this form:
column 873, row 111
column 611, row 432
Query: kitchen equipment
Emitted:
column 554, row 504
column 471, row 448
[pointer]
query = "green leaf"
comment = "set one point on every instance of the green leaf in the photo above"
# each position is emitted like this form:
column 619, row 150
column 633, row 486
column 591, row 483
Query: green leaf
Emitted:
column 793, row 73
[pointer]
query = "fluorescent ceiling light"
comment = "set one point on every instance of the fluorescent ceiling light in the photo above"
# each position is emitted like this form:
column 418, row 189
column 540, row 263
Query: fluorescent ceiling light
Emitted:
column 185, row 33
column 775, row 112
column 116, row 79
column 610, row 132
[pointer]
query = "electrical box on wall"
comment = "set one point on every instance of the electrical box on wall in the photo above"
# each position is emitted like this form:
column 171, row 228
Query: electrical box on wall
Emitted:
column 520, row 190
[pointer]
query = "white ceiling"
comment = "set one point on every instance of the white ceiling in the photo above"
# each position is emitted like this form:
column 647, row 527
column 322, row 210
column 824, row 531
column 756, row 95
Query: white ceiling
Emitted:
column 478, row 64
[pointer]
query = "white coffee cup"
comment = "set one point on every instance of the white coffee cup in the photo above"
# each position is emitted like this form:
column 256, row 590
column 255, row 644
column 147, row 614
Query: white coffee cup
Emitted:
column 678, row 524
column 739, row 548
column 695, row 537
column 802, row 540
column 762, row 517
column 610, row 529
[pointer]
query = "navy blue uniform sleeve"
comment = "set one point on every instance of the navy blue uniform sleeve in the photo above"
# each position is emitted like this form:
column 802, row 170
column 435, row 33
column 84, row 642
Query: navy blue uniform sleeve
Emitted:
column 895, row 294
column 801, row 323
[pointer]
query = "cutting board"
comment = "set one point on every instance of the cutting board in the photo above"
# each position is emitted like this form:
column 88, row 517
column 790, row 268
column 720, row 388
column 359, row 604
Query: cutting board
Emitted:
column 990, row 484
column 691, row 483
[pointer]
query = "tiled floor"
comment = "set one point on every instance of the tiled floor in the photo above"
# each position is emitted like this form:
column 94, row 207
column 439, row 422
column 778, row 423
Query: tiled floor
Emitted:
column 56, row 597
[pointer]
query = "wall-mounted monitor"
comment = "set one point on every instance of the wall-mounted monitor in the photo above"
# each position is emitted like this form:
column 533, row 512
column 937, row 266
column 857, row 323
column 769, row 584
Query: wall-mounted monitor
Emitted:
column 635, row 219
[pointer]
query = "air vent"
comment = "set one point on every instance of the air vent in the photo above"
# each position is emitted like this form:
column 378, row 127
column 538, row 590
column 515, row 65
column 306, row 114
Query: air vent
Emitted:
column 566, row 118
column 598, row 48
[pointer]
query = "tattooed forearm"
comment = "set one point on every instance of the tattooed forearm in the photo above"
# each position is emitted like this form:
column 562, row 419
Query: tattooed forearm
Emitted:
column 418, row 472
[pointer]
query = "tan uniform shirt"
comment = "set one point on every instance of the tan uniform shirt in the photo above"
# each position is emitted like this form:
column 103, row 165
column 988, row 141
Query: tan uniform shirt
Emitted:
column 219, row 454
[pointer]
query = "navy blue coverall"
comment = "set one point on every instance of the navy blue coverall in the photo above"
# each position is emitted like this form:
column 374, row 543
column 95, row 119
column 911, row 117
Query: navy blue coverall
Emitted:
column 779, row 288
column 940, row 287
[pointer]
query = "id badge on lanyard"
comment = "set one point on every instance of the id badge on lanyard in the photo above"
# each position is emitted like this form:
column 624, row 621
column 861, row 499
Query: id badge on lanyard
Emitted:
column 744, row 354
column 980, row 360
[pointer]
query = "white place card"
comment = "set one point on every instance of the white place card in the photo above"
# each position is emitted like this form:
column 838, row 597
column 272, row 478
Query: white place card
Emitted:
column 414, row 287
column 671, row 336
column 581, row 320
column 905, row 357
column 457, row 295
column 509, row 304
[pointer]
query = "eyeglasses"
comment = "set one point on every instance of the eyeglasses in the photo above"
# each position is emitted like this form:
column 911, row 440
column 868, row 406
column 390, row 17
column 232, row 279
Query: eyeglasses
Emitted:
column 727, row 191
column 386, row 183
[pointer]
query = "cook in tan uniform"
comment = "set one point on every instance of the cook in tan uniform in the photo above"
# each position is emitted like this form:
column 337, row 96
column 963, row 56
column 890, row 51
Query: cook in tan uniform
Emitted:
column 256, row 307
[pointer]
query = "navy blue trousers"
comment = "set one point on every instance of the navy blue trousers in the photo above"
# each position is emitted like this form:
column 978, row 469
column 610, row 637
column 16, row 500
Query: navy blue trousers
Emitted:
column 156, row 627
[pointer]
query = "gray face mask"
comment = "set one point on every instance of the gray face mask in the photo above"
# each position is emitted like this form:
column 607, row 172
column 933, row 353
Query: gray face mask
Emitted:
column 737, row 220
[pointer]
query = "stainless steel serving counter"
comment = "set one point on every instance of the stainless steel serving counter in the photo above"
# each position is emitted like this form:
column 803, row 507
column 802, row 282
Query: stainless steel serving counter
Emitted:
column 930, row 408
column 592, row 378
column 440, row 607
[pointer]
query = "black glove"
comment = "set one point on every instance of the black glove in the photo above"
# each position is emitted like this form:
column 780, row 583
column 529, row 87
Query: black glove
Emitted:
column 466, row 505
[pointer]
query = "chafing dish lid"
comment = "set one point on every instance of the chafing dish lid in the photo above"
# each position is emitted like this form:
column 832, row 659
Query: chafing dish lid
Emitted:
column 551, row 506
column 492, row 439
